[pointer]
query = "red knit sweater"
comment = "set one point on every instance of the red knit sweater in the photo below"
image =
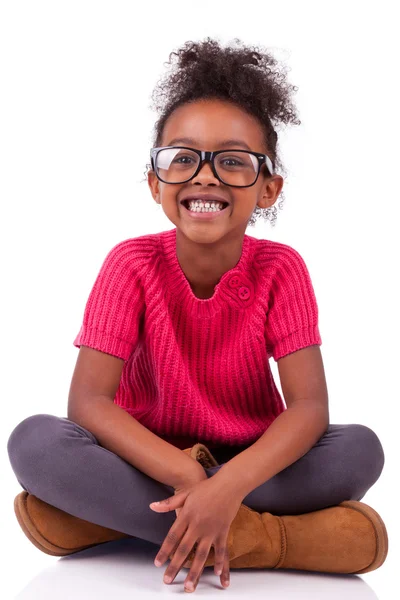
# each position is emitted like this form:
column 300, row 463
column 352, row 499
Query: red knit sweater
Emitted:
column 197, row 370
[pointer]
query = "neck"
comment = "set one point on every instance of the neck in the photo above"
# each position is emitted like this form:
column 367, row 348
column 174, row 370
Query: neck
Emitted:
column 204, row 264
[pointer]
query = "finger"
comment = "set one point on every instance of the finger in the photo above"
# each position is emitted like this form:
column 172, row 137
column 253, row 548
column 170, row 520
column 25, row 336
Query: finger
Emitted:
column 180, row 555
column 221, row 564
column 198, row 565
column 220, row 552
column 171, row 541
column 225, row 576
column 167, row 504
column 219, row 557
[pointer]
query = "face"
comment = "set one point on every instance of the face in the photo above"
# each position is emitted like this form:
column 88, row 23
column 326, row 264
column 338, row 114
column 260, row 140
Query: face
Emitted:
column 210, row 123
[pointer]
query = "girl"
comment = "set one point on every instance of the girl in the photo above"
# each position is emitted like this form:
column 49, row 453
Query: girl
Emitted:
column 172, row 397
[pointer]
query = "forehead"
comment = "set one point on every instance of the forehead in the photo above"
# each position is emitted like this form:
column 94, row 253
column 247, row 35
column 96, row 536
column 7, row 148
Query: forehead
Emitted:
column 213, row 124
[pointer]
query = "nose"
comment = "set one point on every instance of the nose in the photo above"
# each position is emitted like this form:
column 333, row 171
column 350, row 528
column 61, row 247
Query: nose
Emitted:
column 205, row 173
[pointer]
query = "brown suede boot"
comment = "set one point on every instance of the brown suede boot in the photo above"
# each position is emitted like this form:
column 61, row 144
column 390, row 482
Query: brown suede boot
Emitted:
column 348, row 538
column 56, row 532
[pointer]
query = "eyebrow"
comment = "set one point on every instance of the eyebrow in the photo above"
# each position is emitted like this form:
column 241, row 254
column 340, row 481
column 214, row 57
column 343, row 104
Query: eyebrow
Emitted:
column 231, row 142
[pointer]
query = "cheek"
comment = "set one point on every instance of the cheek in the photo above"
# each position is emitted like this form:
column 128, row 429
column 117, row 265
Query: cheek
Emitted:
column 169, row 201
column 244, row 199
column 244, row 206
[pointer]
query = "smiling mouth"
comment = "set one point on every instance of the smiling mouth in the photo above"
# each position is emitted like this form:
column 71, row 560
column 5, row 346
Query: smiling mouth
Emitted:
column 185, row 203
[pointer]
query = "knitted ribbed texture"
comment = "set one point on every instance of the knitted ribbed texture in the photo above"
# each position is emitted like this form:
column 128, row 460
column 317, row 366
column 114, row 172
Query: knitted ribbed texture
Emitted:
column 197, row 370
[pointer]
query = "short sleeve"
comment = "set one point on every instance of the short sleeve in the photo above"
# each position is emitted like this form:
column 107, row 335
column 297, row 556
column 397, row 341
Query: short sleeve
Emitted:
column 114, row 306
column 292, row 315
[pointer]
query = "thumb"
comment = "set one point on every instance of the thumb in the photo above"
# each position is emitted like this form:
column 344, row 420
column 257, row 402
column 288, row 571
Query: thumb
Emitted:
column 169, row 503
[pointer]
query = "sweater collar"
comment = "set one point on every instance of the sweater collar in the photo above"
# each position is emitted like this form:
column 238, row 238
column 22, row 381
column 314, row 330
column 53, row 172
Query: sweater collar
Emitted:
column 234, row 286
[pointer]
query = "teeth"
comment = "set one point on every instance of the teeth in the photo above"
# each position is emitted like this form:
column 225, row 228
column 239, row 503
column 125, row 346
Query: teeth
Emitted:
column 201, row 206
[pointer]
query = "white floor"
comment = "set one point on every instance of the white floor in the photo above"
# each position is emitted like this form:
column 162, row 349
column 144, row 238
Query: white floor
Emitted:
column 125, row 568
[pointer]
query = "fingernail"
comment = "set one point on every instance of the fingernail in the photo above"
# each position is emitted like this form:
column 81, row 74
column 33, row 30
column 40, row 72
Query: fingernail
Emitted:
column 189, row 585
column 167, row 579
column 219, row 571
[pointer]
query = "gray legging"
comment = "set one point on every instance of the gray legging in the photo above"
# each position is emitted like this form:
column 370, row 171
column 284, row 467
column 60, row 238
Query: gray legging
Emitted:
column 62, row 463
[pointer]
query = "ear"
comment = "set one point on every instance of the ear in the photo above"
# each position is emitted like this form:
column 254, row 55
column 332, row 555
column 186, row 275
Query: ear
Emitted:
column 273, row 185
column 154, row 185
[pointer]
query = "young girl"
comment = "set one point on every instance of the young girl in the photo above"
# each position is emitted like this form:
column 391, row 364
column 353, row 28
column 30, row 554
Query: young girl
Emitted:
column 172, row 397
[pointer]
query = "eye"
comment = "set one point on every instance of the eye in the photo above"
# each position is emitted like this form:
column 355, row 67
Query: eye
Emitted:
column 177, row 160
column 235, row 160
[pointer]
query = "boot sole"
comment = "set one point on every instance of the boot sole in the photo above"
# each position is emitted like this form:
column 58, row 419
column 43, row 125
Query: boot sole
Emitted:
column 28, row 527
column 382, row 542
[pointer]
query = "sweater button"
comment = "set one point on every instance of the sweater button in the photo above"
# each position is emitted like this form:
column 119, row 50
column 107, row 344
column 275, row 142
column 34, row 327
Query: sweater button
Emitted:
column 234, row 281
column 244, row 293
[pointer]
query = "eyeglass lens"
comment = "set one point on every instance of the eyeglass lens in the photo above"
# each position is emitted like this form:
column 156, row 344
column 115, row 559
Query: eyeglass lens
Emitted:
column 176, row 165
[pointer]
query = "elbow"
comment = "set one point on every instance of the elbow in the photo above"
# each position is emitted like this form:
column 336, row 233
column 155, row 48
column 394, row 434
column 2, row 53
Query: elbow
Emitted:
column 317, row 411
column 325, row 421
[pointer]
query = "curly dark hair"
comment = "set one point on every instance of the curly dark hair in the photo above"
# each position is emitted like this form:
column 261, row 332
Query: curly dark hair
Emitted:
column 248, row 76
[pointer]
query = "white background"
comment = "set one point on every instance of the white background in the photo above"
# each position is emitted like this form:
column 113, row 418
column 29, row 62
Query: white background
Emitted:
column 75, row 134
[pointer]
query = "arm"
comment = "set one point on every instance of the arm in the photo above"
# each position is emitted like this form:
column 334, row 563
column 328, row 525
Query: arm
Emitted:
column 293, row 433
column 90, row 404
column 286, row 440
column 122, row 434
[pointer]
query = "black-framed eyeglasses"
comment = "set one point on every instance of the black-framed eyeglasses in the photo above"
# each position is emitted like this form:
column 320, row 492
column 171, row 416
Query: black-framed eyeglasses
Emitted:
column 236, row 168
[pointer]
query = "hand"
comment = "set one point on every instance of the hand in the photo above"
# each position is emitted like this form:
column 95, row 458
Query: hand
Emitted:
column 205, row 516
column 200, row 476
